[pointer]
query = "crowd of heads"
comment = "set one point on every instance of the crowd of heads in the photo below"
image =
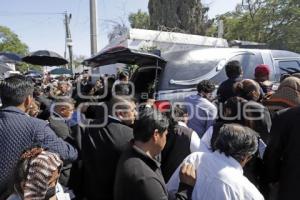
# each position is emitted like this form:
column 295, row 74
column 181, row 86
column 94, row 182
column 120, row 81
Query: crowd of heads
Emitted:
column 38, row 170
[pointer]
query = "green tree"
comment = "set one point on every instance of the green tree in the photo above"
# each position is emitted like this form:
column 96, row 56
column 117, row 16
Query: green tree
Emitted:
column 10, row 42
column 282, row 22
column 275, row 22
column 187, row 16
column 139, row 20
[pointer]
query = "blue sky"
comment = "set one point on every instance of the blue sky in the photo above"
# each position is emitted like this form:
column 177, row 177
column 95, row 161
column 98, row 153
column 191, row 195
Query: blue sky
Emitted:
column 39, row 23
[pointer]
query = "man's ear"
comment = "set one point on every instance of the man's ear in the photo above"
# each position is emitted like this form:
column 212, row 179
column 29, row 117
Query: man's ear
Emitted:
column 156, row 135
column 119, row 115
column 28, row 101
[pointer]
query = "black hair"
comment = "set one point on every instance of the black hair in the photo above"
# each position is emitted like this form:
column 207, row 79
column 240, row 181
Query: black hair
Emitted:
column 179, row 111
column 175, row 115
column 236, row 141
column 233, row 69
column 206, row 86
column 122, row 89
column 233, row 104
column 109, row 84
column 245, row 88
column 14, row 90
column 148, row 121
column 37, row 91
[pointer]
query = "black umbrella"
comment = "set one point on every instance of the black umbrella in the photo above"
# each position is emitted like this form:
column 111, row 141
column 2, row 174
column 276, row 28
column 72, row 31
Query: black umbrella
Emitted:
column 8, row 57
column 45, row 58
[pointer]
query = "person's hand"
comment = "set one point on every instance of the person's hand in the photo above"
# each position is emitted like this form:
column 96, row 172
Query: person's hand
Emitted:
column 187, row 174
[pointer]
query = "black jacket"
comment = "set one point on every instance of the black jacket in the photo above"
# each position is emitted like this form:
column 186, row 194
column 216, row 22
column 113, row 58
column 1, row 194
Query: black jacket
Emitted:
column 176, row 150
column 45, row 106
column 261, row 119
column 139, row 177
column 101, row 149
column 70, row 173
column 225, row 90
column 281, row 157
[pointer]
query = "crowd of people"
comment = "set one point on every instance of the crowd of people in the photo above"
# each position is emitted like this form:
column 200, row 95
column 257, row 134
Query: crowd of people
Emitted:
column 72, row 138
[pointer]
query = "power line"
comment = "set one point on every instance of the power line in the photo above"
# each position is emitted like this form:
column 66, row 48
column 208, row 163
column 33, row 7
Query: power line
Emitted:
column 5, row 13
column 35, row 23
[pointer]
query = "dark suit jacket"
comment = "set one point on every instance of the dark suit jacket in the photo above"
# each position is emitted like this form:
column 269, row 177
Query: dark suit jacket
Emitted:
column 176, row 149
column 282, row 155
column 139, row 177
column 45, row 106
column 261, row 119
column 101, row 149
column 62, row 130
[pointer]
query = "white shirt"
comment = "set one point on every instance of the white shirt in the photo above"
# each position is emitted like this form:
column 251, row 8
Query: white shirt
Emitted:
column 218, row 178
column 195, row 145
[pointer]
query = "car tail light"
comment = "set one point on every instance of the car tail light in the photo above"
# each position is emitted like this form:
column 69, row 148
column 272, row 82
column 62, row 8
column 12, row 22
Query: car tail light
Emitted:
column 163, row 105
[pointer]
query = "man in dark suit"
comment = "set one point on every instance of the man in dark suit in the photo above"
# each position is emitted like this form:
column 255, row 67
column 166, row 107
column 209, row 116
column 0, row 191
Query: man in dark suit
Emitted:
column 138, row 174
column 181, row 142
column 19, row 132
column 61, row 111
column 102, row 147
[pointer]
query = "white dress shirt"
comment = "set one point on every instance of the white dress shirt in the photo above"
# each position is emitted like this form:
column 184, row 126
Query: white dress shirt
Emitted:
column 218, row 178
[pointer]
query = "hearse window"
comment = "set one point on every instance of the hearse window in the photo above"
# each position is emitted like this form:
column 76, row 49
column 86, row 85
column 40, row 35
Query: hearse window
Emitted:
column 289, row 67
column 248, row 62
column 185, row 71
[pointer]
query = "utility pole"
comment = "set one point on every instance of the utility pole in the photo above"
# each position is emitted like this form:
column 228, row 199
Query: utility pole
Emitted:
column 69, row 43
column 93, row 26
column 220, row 29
